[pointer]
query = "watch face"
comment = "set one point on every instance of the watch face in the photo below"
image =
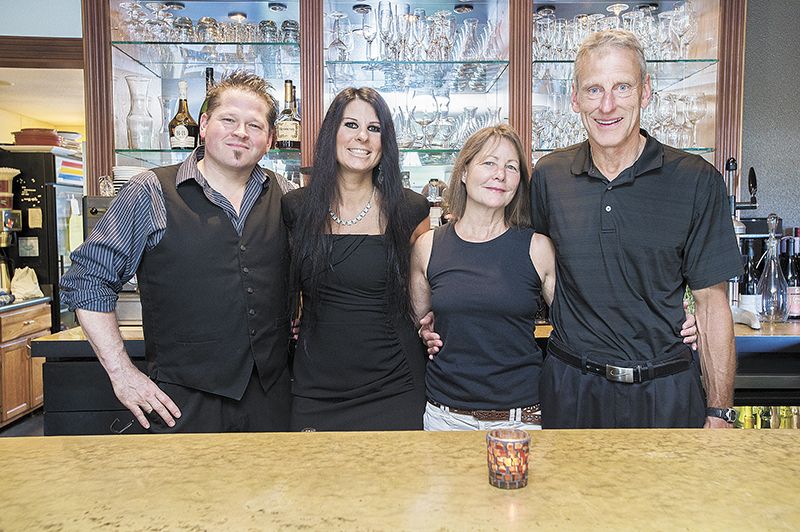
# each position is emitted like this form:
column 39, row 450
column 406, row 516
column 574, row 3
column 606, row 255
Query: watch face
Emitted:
column 730, row 415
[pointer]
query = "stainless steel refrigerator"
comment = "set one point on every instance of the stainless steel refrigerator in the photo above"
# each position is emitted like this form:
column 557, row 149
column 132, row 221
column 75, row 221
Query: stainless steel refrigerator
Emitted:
column 43, row 192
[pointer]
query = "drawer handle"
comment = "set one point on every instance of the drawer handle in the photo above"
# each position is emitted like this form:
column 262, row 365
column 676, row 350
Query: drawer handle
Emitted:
column 28, row 322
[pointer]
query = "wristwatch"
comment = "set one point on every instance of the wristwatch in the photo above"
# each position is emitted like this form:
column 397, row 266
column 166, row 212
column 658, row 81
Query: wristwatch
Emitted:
column 728, row 414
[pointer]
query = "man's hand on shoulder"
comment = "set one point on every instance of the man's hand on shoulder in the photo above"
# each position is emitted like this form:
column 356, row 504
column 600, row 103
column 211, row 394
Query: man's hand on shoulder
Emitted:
column 430, row 338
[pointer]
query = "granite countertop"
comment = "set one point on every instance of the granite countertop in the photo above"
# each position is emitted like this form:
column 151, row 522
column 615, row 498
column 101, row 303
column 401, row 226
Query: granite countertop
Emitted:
column 579, row 479
column 24, row 303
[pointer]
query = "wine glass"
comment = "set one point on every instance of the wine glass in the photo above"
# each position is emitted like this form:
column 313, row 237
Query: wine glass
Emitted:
column 339, row 48
column 424, row 111
column 684, row 25
column 369, row 30
column 616, row 9
column 695, row 106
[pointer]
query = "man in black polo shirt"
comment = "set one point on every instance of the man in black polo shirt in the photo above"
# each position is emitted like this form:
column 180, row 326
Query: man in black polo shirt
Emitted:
column 207, row 242
column 633, row 222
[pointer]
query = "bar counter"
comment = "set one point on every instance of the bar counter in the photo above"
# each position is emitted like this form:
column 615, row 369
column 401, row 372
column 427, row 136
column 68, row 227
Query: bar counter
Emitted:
column 579, row 479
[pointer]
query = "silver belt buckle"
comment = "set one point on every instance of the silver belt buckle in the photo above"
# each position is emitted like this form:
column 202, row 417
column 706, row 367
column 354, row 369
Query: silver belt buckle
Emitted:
column 617, row 374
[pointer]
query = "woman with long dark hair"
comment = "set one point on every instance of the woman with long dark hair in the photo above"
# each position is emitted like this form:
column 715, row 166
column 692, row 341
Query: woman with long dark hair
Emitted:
column 358, row 364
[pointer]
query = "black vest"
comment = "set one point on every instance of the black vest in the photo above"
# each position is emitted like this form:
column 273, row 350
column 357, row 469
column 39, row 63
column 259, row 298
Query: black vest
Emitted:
column 214, row 302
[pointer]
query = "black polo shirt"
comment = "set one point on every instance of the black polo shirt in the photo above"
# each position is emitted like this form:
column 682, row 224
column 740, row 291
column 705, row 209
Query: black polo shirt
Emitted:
column 625, row 249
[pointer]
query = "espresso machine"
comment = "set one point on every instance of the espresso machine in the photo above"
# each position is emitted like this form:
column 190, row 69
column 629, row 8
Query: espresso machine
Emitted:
column 12, row 223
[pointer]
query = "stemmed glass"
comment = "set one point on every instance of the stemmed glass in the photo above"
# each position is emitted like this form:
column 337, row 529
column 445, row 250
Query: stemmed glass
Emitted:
column 386, row 27
column 339, row 48
column 369, row 30
column 695, row 106
column 424, row 111
column 684, row 25
column 617, row 9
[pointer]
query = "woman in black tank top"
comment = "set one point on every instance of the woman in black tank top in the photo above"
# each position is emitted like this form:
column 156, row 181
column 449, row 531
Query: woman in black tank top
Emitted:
column 484, row 277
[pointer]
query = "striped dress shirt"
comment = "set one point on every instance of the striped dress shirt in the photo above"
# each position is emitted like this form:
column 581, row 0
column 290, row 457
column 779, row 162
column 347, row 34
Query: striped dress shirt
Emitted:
column 134, row 224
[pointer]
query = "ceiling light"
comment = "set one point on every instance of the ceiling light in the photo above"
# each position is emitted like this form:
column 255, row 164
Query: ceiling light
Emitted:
column 237, row 16
column 175, row 6
column 362, row 8
column 462, row 8
column 277, row 6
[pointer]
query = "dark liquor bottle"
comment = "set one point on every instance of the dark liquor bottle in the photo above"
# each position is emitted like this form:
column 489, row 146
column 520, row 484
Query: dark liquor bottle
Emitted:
column 748, row 282
column 792, row 279
column 209, row 84
column 183, row 130
column 287, row 126
column 204, row 107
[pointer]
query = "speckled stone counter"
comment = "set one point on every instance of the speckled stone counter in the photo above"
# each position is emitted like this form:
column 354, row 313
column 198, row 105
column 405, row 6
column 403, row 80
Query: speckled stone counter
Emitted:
column 631, row 479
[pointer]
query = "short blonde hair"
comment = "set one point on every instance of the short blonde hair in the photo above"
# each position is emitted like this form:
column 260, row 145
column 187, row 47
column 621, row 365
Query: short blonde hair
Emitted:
column 620, row 39
column 518, row 211
column 245, row 82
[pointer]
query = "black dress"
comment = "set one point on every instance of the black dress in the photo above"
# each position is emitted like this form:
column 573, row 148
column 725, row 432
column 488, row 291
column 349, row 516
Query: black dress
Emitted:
column 356, row 367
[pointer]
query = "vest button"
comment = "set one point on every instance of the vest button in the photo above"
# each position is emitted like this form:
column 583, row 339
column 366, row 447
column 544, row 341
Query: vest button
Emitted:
column 250, row 290
column 251, row 312
column 243, row 247
column 246, row 270
column 252, row 332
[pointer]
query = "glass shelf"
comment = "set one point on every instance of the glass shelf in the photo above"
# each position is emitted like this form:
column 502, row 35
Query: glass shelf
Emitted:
column 167, row 157
column 664, row 73
column 461, row 77
column 697, row 150
column 160, row 57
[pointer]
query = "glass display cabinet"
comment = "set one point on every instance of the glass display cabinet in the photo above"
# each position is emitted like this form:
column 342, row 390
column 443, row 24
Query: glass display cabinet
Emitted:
column 155, row 45
column 681, row 47
column 442, row 68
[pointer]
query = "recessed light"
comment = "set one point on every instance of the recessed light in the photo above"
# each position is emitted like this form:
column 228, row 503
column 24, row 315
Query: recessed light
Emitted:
column 237, row 16
column 462, row 8
column 546, row 9
column 276, row 6
column 362, row 8
column 175, row 6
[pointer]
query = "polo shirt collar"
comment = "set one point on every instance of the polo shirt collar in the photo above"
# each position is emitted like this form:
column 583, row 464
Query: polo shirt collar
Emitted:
column 652, row 157
column 188, row 170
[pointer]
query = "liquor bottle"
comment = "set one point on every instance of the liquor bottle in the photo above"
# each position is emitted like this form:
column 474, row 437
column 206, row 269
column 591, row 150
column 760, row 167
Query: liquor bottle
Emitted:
column 792, row 278
column 209, row 84
column 204, row 106
column 287, row 126
column 748, row 421
column 748, row 282
column 183, row 130
column 772, row 284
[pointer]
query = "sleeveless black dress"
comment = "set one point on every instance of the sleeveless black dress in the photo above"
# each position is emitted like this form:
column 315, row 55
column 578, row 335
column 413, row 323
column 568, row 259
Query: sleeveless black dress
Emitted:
column 356, row 367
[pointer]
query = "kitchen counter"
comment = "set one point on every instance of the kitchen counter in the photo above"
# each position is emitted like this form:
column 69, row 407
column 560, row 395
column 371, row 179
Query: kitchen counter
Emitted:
column 580, row 479
column 16, row 305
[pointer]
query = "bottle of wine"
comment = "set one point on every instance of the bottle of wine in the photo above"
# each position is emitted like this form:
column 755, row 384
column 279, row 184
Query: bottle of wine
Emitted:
column 204, row 107
column 748, row 282
column 209, row 84
column 183, row 130
column 287, row 126
column 792, row 279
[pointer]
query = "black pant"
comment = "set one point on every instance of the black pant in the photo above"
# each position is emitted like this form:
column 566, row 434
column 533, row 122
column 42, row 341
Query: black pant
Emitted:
column 573, row 399
column 257, row 411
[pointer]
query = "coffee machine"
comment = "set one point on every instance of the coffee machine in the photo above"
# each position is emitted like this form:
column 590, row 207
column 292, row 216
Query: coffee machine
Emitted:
column 12, row 223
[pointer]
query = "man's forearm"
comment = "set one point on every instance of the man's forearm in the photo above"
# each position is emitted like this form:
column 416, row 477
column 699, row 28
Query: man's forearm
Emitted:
column 102, row 331
column 716, row 344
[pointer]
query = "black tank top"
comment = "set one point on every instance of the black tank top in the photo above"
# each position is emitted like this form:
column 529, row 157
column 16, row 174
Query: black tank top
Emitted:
column 484, row 296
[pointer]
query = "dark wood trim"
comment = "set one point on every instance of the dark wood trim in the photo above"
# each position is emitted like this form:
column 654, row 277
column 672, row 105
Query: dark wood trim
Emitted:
column 98, row 96
column 41, row 52
column 520, row 74
column 311, row 77
column 730, row 82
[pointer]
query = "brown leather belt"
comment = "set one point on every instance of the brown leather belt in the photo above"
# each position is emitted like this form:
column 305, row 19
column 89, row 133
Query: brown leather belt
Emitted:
column 527, row 414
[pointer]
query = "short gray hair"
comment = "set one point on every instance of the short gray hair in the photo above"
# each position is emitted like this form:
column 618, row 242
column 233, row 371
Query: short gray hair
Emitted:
column 620, row 39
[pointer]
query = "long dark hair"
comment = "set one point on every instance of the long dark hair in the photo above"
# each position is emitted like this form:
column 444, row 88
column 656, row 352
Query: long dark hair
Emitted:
column 310, row 241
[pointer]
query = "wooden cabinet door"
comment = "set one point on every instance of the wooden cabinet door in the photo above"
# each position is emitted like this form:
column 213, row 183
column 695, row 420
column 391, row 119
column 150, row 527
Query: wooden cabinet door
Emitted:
column 37, row 385
column 15, row 380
